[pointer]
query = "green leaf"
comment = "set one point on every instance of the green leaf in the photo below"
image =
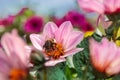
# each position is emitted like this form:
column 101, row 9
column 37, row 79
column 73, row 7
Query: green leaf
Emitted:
column 55, row 74
column 116, row 77
column 51, row 73
column 97, row 37
column 70, row 73
column 109, row 31
column 114, row 17
column 28, row 13
column 37, row 60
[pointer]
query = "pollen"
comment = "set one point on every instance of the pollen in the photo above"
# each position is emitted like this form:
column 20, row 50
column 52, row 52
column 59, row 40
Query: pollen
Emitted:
column 53, row 49
column 17, row 74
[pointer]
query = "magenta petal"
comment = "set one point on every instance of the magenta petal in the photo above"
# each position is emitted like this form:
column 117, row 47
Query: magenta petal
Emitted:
column 91, row 6
column 54, row 62
column 71, row 52
column 74, row 39
column 37, row 41
column 49, row 30
column 33, row 24
column 63, row 32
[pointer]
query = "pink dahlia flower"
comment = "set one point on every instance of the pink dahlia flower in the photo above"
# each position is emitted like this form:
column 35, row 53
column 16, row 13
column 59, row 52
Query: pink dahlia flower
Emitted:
column 33, row 25
column 14, row 57
column 100, row 6
column 105, row 56
column 57, row 43
column 7, row 21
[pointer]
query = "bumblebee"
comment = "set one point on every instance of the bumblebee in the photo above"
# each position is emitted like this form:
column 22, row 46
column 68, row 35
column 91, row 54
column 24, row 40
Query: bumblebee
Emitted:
column 53, row 49
column 49, row 46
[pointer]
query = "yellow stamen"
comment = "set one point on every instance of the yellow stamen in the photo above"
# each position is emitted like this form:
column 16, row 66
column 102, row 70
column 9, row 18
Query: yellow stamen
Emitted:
column 17, row 74
column 53, row 49
column 57, row 52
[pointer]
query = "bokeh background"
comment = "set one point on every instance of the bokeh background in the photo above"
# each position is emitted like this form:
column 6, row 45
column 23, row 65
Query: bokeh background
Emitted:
column 41, row 7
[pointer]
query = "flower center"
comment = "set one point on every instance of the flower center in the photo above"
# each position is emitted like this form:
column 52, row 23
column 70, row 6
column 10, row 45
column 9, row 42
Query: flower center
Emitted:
column 53, row 49
column 17, row 74
column 34, row 24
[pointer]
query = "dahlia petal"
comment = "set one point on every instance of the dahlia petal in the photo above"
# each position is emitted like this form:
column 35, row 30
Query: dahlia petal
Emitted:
column 29, row 48
column 37, row 41
column 105, row 51
column 49, row 30
column 63, row 32
column 117, row 4
column 17, row 61
column 13, row 39
column 6, row 43
column 102, row 59
column 114, row 67
column 4, row 66
column 4, row 63
column 95, row 51
column 74, row 39
column 114, row 70
column 91, row 6
column 20, row 50
column 54, row 62
column 3, row 77
column 110, row 7
column 71, row 52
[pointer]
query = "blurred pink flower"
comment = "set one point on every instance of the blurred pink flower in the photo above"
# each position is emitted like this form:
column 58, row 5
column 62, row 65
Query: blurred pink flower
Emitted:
column 7, row 21
column 105, row 56
column 79, row 20
column 57, row 43
column 100, row 6
column 14, row 57
column 58, row 21
column 33, row 25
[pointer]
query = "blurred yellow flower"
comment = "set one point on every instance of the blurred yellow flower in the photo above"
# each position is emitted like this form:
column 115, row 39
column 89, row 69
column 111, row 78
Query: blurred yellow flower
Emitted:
column 88, row 33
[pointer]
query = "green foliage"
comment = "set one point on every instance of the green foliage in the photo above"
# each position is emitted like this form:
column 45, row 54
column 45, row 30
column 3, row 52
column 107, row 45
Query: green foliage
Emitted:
column 70, row 73
column 109, row 31
column 114, row 17
column 37, row 60
column 116, row 77
column 97, row 37
column 82, row 62
column 51, row 73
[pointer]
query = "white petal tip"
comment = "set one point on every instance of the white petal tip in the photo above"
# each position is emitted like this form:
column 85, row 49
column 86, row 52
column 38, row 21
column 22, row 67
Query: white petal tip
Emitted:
column 54, row 62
